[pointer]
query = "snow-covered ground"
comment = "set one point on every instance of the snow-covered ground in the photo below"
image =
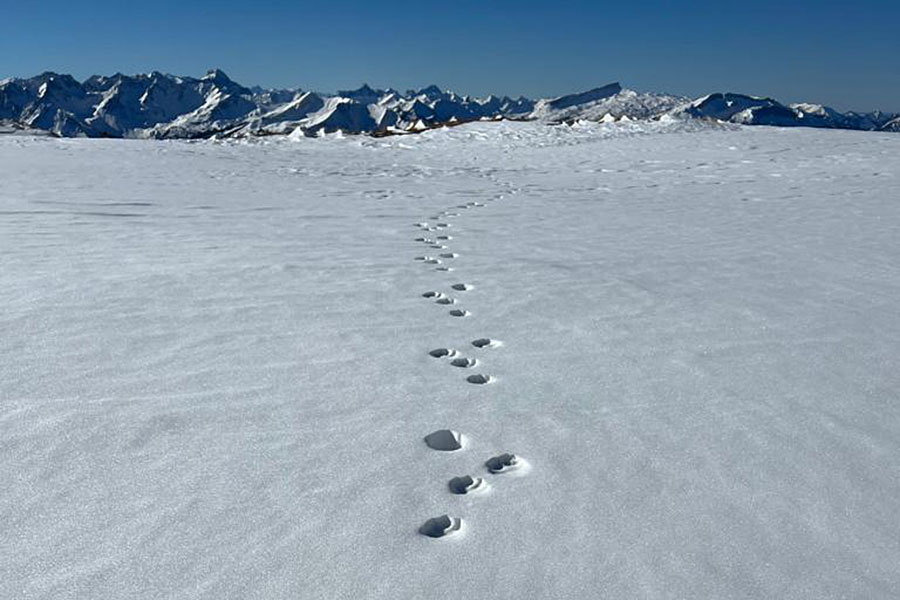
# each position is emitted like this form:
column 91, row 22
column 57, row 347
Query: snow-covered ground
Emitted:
column 215, row 378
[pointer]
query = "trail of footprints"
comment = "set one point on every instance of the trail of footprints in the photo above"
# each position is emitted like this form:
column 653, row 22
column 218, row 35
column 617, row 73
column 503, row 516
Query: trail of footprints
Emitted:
column 448, row 440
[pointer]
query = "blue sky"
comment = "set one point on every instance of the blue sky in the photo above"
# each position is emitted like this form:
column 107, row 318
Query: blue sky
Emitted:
column 843, row 54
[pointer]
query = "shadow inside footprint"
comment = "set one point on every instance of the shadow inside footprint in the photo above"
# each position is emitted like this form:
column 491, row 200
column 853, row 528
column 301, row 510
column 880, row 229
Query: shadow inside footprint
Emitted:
column 479, row 379
column 442, row 352
column 439, row 527
column 459, row 313
column 503, row 463
column 431, row 294
column 486, row 343
column 446, row 301
column 466, row 363
column 467, row 484
column 445, row 440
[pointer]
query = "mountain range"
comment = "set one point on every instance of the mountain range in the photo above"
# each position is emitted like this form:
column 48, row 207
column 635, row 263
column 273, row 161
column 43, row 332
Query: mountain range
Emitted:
column 161, row 106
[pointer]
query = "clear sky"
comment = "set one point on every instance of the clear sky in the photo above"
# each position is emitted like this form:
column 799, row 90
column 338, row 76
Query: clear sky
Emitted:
column 845, row 54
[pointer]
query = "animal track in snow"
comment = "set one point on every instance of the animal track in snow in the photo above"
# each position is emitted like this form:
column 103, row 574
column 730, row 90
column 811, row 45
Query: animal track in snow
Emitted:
column 480, row 379
column 503, row 463
column 445, row 440
column 461, row 287
column 456, row 312
column 446, row 300
column 467, row 484
column 449, row 255
column 445, row 237
column 433, row 294
column 486, row 343
column 443, row 352
column 442, row 526
column 424, row 258
column 466, row 363
column 433, row 261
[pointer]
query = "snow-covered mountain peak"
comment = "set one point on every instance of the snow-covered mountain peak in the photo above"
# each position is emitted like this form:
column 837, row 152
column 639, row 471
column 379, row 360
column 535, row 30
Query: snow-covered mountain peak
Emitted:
column 607, row 103
column 157, row 104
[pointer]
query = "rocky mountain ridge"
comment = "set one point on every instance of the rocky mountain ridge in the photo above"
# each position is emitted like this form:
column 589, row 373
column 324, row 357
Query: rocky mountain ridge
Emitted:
column 162, row 106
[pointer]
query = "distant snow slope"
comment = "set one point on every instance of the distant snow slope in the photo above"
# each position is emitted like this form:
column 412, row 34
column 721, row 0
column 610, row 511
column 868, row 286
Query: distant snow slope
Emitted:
column 605, row 104
column 217, row 380
column 158, row 105
column 893, row 125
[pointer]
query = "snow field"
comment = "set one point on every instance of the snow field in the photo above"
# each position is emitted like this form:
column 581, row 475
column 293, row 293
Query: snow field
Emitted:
column 219, row 366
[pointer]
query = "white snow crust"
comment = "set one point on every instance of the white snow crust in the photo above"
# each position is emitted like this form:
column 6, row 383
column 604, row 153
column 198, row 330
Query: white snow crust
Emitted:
column 215, row 377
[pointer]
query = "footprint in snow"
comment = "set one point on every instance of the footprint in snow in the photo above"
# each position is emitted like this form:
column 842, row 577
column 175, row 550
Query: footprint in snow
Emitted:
column 480, row 379
column 443, row 352
column 433, row 294
column 438, row 246
column 433, row 261
column 442, row 526
column 457, row 312
column 461, row 287
column 444, row 269
column 466, row 363
column 446, row 301
column 486, row 343
column 449, row 255
column 445, row 440
column 445, row 237
column 504, row 463
column 467, row 484
column 442, row 225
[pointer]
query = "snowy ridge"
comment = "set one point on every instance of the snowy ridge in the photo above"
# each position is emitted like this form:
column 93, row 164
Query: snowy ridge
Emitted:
column 753, row 110
column 610, row 103
column 158, row 105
